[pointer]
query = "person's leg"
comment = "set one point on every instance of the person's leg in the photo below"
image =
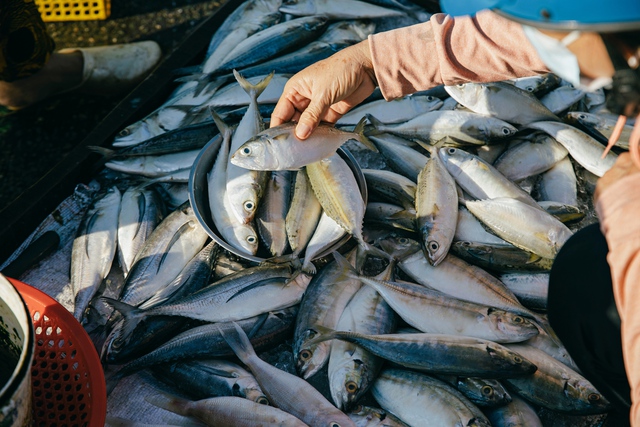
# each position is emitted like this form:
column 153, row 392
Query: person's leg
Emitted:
column 61, row 73
column 582, row 311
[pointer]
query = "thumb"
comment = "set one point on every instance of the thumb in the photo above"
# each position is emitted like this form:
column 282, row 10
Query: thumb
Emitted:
column 309, row 119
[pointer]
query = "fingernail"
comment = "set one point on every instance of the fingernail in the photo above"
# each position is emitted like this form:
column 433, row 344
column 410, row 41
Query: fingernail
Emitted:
column 303, row 130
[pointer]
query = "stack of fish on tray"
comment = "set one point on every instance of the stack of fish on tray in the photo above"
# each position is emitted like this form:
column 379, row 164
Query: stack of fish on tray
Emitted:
column 469, row 188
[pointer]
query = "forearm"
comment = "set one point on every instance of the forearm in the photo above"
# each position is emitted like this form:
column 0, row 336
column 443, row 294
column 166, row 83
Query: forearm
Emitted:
column 618, row 207
column 452, row 51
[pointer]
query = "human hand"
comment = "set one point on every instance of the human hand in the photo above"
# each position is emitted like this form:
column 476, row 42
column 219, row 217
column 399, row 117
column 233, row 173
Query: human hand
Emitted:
column 623, row 167
column 326, row 90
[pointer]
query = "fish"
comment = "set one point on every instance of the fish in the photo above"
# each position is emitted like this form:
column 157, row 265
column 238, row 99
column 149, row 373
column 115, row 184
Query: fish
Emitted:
column 501, row 100
column 436, row 205
column 404, row 160
column 440, row 353
column 532, row 289
column 272, row 212
column 480, row 179
column 154, row 166
column 500, row 257
column 272, row 41
column 338, row 35
column 459, row 126
column 469, row 229
column 395, row 111
column 278, row 148
column 530, row 158
column 327, row 233
column 303, row 214
column 562, row 98
column 556, row 386
column 226, row 411
column 200, row 379
column 483, row 392
column 559, row 184
column 602, row 124
column 241, row 236
column 432, row 311
column 522, row 225
column 366, row 416
column 391, row 187
column 326, row 298
column 245, row 187
column 538, row 85
column 94, row 248
column 583, row 149
column 390, row 216
column 347, row 9
column 414, row 397
column 140, row 212
column 288, row 392
column 515, row 413
column 233, row 94
column 352, row 369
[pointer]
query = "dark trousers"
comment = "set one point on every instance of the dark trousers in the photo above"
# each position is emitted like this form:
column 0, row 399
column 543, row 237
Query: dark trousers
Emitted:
column 582, row 311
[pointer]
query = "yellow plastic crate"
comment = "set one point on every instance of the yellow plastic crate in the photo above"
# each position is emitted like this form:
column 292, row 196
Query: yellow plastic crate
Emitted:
column 66, row 10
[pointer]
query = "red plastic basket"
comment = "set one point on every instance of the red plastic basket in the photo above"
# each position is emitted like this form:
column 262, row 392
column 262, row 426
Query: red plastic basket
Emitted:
column 68, row 382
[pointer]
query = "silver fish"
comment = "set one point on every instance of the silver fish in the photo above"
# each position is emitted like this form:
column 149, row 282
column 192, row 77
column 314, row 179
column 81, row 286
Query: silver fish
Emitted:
column 327, row 233
column 562, row 98
column 154, row 166
column 530, row 158
column 416, row 397
column 395, row 111
column 366, row 416
column 559, row 184
column 502, row 101
column 469, row 229
column 584, row 149
column 517, row 413
column 402, row 159
column 94, row 248
column 602, row 124
column 140, row 213
column 288, row 392
column 226, row 411
column 391, row 187
column 270, row 219
column 531, row 289
column 347, row 9
column 278, row 148
column 303, row 215
column 480, row 391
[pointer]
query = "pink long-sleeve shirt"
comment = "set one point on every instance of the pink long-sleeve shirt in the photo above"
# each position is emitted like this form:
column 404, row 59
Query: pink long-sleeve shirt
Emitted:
column 488, row 48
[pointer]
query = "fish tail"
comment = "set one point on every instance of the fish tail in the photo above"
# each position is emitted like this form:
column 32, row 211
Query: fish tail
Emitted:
column 222, row 126
column 107, row 153
column 359, row 130
column 169, row 402
column 345, row 266
column 239, row 342
column 364, row 250
column 309, row 267
column 131, row 316
column 377, row 124
column 254, row 91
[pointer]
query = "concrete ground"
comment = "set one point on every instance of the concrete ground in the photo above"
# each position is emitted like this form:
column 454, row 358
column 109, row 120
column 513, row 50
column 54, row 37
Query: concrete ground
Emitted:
column 35, row 139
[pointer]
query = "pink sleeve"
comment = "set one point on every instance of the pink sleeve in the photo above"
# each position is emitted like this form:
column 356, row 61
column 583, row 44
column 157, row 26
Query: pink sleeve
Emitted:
column 618, row 207
column 449, row 51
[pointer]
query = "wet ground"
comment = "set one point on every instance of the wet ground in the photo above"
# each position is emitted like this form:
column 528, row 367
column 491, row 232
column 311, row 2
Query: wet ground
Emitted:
column 35, row 139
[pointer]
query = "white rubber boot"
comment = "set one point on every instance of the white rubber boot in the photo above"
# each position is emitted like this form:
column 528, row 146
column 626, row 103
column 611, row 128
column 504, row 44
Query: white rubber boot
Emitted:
column 116, row 68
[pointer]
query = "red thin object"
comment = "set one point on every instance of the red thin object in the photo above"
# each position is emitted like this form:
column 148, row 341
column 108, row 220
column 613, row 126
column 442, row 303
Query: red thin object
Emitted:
column 68, row 383
column 634, row 142
column 615, row 135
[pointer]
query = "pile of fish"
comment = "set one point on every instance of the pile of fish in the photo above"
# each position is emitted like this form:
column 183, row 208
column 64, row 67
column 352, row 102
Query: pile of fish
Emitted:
column 435, row 315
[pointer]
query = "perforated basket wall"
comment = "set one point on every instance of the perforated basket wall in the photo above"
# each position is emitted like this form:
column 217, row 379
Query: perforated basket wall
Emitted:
column 65, row 10
column 67, row 378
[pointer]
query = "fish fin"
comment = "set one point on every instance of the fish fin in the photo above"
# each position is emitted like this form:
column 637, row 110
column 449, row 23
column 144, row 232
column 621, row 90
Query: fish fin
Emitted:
column 375, row 123
column 260, row 321
column 359, row 129
column 344, row 265
column 192, row 70
column 132, row 316
column 107, row 153
column 324, row 334
column 254, row 91
column 239, row 342
column 169, row 402
column 309, row 268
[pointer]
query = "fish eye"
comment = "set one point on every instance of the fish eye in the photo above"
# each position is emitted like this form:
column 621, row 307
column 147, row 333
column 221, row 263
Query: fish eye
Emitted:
column 487, row 390
column 518, row 319
column 529, row 88
column 251, row 239
column 460, row 85
column 506, row 131
column 305, row 355
column 351, row 387
column 594, row 397
column 357, row 409
column 430, row 98
column 125, row 132
column 263, row 401
column 517, row 359
column 334, row 424
column 246, row 151
column 433, row 245
column 249, row 206
column 451, row 151
column 582, row 116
